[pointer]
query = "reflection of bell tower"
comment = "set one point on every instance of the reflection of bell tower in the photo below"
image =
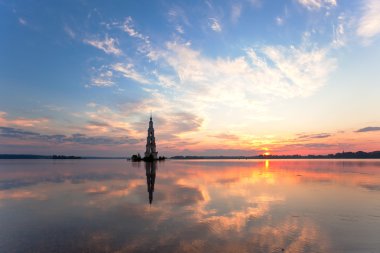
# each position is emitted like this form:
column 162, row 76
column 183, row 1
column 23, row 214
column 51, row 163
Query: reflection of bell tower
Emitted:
column 150, row 178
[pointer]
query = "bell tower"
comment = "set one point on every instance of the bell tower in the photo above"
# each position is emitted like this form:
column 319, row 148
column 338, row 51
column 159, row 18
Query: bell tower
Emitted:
column 151, row 141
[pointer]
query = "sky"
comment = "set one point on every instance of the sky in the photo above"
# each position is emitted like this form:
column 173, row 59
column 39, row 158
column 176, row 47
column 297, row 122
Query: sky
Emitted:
column 234, row 77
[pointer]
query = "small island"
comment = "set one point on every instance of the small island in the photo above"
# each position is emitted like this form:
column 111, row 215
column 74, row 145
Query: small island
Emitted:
column 138, row 158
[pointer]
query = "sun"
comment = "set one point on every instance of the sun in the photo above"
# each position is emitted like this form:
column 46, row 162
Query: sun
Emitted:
column 266, row 153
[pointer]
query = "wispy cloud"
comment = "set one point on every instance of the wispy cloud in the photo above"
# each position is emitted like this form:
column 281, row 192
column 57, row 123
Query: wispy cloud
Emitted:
column 20, row 121
column 69, row 31
column 274, row 70
column 142, row 41
column 368, row 129
column 279, row 21
column 215, row 25
column 165, row 80
column 179, row 29
column 317, row 4
column 108, row 45
column 20, row 194
column 315, row 136
column 103, row 119
column 236, row 12
column 369, row 23
column 100, row 82
column 103, row 78
column 22, row 21
column 226, row 136
column 128, row 71
column 339, row 33
column 177, row 15
column 185, row 122
column 309, row 146
column 128, row 27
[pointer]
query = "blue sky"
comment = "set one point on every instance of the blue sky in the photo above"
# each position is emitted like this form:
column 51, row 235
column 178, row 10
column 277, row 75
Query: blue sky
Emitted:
column 221, row 77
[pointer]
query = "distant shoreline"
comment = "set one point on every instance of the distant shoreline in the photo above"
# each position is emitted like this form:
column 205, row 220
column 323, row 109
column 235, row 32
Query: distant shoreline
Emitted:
column 53, row 157
column 342, row 155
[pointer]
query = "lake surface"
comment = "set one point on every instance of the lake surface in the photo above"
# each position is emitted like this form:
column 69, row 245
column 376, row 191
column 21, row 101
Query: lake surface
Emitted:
column 196, row 206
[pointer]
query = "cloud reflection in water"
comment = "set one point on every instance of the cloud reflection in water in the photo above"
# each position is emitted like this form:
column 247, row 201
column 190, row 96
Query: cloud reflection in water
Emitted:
column 196, row 206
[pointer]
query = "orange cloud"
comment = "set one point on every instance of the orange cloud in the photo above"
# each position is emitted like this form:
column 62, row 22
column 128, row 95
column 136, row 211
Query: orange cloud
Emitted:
column 20, row 194
column 21, row 122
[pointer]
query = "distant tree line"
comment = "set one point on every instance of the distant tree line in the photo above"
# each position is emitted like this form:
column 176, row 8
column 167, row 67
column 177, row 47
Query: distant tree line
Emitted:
column 66, row 157
column 342, row 155
column 21, row 156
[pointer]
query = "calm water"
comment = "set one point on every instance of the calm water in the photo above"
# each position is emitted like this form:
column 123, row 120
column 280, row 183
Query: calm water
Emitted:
column 197, row 206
